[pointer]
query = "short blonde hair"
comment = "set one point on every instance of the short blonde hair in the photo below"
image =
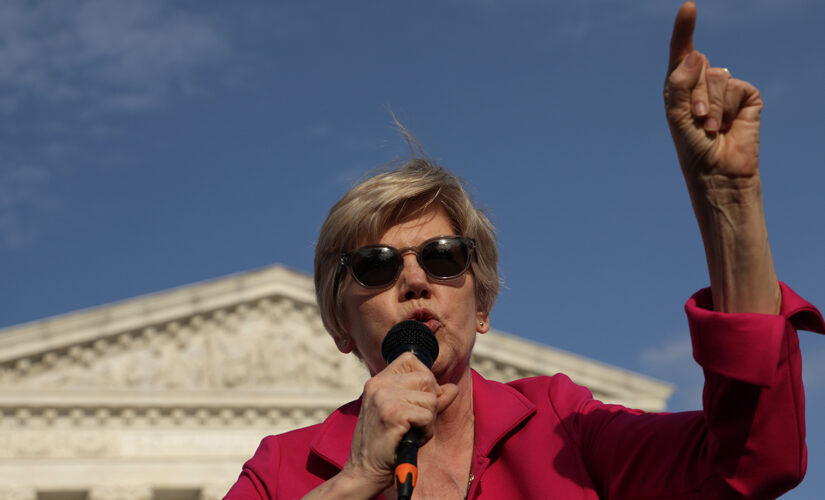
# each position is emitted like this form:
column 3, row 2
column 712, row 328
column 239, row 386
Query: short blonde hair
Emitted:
column 369, row 209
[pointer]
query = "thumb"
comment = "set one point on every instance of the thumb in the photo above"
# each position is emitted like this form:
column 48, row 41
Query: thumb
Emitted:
column 687, row 84
column 406, row 363
column 446, row 395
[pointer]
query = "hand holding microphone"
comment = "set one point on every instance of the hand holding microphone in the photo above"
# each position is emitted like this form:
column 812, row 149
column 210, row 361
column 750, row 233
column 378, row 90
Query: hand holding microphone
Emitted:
column 403, row 396
column 417, row 338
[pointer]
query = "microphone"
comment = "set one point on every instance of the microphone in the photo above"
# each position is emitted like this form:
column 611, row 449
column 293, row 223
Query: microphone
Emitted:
column 417, row 338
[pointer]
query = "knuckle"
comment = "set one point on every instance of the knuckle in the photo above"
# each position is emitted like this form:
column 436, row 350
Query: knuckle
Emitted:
column 699, row 92
column 422, row 376
column 678, row 80
column 371, row 387
column 717, row 74
column 407, row 358
column 422, row 417
column 388, row 413
column 411, row 361
column 735, row 85
column 404, row 363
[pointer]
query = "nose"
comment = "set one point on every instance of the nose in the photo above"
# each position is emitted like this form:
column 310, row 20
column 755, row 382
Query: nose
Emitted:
column 413, row 281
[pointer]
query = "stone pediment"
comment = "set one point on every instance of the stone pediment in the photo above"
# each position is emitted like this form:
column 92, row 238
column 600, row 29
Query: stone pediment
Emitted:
column 252, row 332
column 257, row 333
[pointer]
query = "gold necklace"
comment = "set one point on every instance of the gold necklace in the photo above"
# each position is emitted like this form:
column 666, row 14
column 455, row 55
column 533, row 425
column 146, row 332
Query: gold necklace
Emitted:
column 469, row 484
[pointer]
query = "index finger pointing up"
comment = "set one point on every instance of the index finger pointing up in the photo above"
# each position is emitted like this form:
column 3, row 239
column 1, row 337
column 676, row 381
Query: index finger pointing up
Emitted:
column 681, row 41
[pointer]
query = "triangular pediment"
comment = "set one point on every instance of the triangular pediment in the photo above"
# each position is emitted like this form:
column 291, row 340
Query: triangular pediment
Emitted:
column 257, row 332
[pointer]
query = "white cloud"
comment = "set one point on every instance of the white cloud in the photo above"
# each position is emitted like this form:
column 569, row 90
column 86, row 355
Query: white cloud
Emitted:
column 672, row 360
column 22, row 192
column 733, row 12
column 110, row 54
column 675, row 350
column 319, row 130
column 813, row 368
column 578, row 20
column 69, row 69
column 583, row 18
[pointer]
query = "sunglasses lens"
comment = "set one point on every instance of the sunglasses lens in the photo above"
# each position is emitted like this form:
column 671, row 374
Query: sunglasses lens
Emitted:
column 378, row 266
column 375, row 266
column 445, row 258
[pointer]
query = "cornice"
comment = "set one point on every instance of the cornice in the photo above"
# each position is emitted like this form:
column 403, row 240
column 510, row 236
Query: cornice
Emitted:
column 524, row 358
column 154, row 309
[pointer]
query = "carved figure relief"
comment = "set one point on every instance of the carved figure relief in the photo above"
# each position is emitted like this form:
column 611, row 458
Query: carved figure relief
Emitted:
column 272, row 344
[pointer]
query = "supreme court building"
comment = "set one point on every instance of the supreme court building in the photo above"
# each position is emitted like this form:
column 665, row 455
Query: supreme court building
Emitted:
column 164, row 396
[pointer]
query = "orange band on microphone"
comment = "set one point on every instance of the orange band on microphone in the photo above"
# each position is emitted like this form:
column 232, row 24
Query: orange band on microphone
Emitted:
column 404, row 471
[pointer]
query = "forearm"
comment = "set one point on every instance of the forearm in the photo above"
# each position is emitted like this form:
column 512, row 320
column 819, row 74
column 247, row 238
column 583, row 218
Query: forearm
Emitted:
column 731, row 219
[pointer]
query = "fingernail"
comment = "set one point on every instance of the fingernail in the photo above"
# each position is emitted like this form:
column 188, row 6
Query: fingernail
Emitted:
column 700, row 108
column 711, row 124
column 692, row 60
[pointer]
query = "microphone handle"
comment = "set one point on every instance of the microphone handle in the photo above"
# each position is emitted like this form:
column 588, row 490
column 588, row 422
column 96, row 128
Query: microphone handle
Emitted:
column 406, row 464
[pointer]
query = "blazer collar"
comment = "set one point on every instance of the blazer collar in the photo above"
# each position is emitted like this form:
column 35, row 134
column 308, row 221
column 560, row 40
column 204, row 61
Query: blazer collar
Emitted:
column 498, row 410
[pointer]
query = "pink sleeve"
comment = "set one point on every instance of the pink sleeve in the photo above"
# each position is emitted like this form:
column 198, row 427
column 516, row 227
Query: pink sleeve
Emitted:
column 750, row 439
column 725, row 344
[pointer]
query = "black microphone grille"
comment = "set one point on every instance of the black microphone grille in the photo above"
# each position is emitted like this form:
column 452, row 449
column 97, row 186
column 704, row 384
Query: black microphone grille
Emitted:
column 410, row 336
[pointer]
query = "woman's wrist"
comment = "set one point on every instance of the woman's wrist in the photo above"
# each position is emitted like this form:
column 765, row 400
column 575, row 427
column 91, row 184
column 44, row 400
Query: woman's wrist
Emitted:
column 732, row 222
column 346, row 484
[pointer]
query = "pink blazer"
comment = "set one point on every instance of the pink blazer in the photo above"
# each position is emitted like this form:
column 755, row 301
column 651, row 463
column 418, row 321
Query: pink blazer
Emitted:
column 546, row 437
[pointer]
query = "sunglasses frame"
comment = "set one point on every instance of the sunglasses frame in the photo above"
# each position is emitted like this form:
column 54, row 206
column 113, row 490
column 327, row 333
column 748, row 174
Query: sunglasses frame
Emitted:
column 470, row 243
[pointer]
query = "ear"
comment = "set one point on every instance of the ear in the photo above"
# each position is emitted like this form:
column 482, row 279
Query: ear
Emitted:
column 344, row 343
column 482, row 322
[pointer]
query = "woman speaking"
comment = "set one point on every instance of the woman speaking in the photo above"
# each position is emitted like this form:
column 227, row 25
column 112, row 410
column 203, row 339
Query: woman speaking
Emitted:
column 409, row 245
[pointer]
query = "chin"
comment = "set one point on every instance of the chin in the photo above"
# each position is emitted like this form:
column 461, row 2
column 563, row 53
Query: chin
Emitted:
column 446, row 371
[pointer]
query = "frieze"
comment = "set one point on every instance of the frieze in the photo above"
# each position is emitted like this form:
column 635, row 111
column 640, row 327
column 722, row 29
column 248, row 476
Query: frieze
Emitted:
column 273, row 343
column 100, row 419
column 495, row 370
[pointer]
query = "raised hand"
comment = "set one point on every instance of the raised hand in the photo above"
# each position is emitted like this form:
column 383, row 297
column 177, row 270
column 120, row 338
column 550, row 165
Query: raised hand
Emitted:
column 714, row 121
column 714, row 118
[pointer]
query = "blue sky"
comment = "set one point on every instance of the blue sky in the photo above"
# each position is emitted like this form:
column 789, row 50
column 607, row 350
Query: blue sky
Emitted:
column 147, row 145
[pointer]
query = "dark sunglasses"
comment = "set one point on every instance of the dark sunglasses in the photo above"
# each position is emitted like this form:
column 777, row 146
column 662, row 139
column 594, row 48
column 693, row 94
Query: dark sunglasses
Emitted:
column 378, row 266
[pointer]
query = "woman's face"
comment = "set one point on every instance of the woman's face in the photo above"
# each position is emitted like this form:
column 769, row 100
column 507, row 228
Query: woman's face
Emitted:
column 448, row 307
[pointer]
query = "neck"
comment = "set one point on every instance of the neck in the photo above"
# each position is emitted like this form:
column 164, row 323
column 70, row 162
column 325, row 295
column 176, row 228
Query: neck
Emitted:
column 457, row 421
column 445, row 460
